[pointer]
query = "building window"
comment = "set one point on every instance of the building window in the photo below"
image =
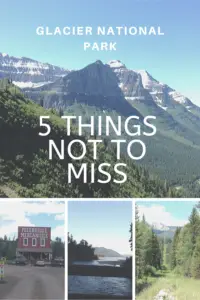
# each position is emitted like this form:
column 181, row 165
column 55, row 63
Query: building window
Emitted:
column 42, row 242
column 33, row 242
column 25, row 242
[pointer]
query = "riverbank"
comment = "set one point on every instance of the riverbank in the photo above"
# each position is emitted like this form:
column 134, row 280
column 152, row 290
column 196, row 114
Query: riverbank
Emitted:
column 103, row 271
column 181, row 288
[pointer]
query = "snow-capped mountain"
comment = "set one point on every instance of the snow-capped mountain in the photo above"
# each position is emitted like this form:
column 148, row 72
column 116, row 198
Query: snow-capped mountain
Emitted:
column 25, row 72
column 135, row 84
column 94, row 85
column 162, row 230
column 160, row 226
column 130, row 82
column 162, row 93
column 116, row 64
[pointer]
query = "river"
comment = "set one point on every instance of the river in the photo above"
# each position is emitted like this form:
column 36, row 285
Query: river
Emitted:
column 113, row 286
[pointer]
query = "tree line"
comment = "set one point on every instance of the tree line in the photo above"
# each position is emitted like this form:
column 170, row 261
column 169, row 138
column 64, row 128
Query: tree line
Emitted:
column 81, row 251
column 25, row 166
column 8, row 247
column 148, row 255
column 185, row 256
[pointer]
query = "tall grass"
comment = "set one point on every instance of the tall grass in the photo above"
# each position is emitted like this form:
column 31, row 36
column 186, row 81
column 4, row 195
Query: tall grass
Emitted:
column 180, row 287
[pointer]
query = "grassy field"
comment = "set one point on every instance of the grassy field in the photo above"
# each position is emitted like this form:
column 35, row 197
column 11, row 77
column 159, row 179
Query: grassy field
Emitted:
column 179, row 287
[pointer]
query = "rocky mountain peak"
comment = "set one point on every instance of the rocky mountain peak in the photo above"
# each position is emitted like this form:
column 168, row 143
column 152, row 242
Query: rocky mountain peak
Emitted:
column 3, row 54
column 160, row 226
column 147, row 80
column 115, row 64
column 98, row 62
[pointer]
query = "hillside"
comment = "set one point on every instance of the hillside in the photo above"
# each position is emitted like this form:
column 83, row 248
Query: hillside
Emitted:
column 101, row 251
column 112, row 89
column 26, row 171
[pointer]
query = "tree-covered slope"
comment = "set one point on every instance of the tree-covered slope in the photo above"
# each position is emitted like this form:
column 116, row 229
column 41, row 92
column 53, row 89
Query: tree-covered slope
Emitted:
column 168, row 158
column 26, row 171
column 172, row 154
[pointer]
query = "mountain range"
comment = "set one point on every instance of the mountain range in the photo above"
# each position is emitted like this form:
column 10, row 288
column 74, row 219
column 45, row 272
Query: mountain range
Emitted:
column 135, row 84
column 164, row 231
column 113, row 89
column 28, row 73
column 25, row 168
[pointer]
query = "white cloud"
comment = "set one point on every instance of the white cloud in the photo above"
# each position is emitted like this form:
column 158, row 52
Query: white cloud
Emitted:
column 60, row 217
column 10, row 229
column 58, row 231
column 159, row 214
column 17, row 213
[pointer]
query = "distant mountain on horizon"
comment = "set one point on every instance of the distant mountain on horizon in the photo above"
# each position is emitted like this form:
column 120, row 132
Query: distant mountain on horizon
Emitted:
column 104, row 252
column 164, row 231
column 28, row 73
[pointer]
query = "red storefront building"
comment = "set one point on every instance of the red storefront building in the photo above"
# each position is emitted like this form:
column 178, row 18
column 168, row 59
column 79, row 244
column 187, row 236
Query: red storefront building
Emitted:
column 34, row 242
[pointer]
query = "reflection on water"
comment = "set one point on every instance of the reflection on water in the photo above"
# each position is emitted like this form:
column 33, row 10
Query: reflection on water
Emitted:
column 103, row 261
column 99, row 285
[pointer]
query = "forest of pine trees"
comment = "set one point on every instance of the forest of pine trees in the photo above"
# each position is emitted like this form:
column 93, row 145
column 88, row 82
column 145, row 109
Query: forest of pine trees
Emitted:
column 25, row 165
column 186, row 247
column 148, row 254
column 179, row 255
column 79, row 251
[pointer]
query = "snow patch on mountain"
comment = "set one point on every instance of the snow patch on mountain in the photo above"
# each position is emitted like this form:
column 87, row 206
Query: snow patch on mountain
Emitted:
column 26, row 70
column 147, row 80
column 160, row 226
column 135, row 98
column 163, row 107
column 178, row 97
column 162, row 93
column 116, row 64
column 29, row 84
column 4, row 54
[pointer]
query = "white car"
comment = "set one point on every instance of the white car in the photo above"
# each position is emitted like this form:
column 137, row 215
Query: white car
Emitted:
column 40, row 263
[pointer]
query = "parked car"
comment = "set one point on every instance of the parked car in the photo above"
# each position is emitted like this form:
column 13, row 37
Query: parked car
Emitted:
column 40, row 263
column 57, row 263
column 20, row 261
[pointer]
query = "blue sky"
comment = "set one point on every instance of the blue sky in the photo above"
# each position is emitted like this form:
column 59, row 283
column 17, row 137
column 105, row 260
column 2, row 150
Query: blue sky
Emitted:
column 173, row 58
column 32, row 213
column 101, row 223
column 170, row 213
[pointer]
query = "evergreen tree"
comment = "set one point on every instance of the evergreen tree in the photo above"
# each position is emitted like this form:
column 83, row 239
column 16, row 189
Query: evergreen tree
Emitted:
column 194, row 225
column 131, row 237
column 195, row 267
column 139, row 259
column 174, row 248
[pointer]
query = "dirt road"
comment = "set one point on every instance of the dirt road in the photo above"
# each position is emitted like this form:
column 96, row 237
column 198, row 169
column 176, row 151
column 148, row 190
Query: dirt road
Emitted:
column 26, row 282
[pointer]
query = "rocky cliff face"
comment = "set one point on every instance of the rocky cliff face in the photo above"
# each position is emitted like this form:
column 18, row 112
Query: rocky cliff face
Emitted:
column 163, row 95
column 95, row 85
column 130, row 82
column 95, row 79
column 140, row 85
column 27, row 73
